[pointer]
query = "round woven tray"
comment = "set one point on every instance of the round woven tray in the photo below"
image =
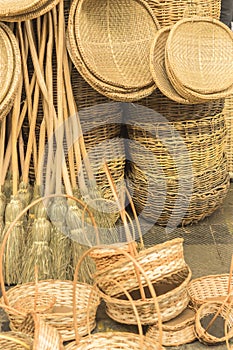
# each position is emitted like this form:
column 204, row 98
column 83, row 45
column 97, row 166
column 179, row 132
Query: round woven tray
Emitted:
column 177, row 331
column 207, row 68
column 6, row 63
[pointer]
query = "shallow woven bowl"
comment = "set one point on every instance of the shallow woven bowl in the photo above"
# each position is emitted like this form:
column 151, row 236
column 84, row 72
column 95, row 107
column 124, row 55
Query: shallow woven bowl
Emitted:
column 199, row 55
column 62, row 315
column 177, row 331
column 171, row 294
column 114, row 341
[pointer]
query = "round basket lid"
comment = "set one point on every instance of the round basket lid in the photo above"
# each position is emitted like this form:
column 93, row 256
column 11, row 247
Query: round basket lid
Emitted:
column 114, row 39
column 6, row 63
column 200, row 51
column 40, row 8
column 14, row 7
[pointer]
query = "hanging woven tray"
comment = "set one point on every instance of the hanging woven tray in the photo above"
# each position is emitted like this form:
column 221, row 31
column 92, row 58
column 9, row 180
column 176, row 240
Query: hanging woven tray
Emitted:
column 177, row 331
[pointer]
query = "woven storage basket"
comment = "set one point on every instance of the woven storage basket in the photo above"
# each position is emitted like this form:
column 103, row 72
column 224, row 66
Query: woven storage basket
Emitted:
column 13, row 81
column 15, row 341
column 18, row 14
column 44, row 336
column 178, row 331
column 117, row 340
column 113, row 92
column 228, row 113
column 61, row 317
column 170, row 11
column 206, row 75
column 215, row 335
column 170, row 252
column 208, row 289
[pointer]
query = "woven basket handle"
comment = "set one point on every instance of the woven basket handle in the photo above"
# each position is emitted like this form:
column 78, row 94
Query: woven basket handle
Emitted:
column 5, row 336
column 12, row 225
column 137, row 266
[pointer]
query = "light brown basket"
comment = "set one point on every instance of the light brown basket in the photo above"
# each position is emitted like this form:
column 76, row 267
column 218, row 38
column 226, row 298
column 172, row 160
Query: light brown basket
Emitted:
column 169, row 12
column 209, row 289
column 15, row 341
column 207, row 75
column 115, row 93
column 228, row 113
column 6, row 63
column 116, row 340
column 61, row 317
column 169, row 253
column 44, row 336
column 212, row 309
column 177, row 331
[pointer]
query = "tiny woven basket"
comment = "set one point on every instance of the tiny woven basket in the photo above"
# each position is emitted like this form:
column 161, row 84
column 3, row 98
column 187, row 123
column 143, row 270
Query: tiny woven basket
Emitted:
column 214, row 334
column 177, row 331
column 168, row 12
column 61, row 315
column 15, row 341
column 208, row 288
column 206, row 75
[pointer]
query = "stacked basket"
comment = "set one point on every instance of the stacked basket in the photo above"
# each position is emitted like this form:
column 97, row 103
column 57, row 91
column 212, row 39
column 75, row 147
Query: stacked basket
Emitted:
column 178, row 170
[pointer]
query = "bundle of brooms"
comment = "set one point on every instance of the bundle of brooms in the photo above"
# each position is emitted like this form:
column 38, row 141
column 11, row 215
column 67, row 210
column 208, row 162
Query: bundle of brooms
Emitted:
column 42, row 152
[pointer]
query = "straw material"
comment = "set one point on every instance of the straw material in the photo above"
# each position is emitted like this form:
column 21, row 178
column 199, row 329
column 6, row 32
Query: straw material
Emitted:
column 169, row 12
column 203, row 73
column 15, row 341
column 114, row 41
column 7, row 102
column 171, row 294
column 228, row 113
column 177, row 331
column 208, row 288
column 39, row 9
column 6, row 63
column 214, row 336
column 45, row 336
column 110, row 91
column 170, row 253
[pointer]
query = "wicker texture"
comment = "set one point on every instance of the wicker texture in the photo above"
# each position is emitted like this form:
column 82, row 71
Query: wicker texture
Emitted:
column 15, row 341
column 228, row 113
column 178, row 331
column 208, row 288
column 112, row 91
column 202, row 74
column 6, row 63
column 169, row 12
column 210, row 337
column 170, row 253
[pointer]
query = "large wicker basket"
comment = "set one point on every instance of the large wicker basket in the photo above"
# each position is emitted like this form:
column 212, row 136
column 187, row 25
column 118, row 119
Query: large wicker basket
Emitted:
column 228, row 113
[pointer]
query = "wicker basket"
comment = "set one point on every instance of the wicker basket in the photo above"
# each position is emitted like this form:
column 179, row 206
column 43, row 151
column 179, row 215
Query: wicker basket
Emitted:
column 197, row 79
column 208, row 288
column 117, row 340
column 61, row 316
column 211, row 310
column 228, row 113
column 169, row 12
column 15, row 341
column 178, row 331
column 170, row 253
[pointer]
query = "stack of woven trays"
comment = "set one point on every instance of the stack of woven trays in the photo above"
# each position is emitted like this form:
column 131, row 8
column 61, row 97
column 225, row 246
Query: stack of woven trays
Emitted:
column 186, row 60
column 11, row 11
column 178, row 169
column 10, row 67
column 228, row 113
column 109, row 44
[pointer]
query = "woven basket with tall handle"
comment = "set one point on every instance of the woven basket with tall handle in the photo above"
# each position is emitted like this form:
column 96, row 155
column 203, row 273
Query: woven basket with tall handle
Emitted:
column 61, row 316
column 116, row 340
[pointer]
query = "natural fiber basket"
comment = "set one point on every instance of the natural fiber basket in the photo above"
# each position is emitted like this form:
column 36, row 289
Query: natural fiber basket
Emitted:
column 44, row 336
column 170, row 253
column 228, row 113
column 208, row 76
column 15, row 341
column 168, row 12
column 177, row 331
column 209, row 311
column 212, row 288
column 116, row 340
column 61, row 316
